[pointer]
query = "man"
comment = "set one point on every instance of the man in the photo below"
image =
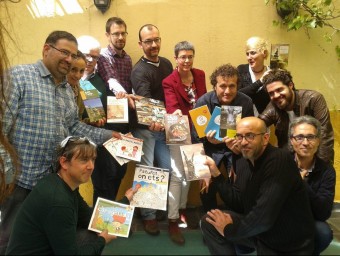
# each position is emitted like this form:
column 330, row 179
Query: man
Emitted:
column 318, row 176
column 288, row 103
column 224, row 80
column 53, row 219
column 146, row 78
column 114, row 64
column 41, row 112
column 269, row 204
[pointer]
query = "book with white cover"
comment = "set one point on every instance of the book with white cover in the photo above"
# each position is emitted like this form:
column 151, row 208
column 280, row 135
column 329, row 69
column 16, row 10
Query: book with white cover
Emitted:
column 117, row 110
column 130, row 148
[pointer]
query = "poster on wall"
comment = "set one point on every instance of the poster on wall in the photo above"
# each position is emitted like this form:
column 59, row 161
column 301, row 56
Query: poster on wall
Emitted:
column 279, row 56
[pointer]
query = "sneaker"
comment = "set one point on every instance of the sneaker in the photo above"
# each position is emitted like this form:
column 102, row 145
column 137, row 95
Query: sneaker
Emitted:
column 175, row 233
column 151, row 227
column 190, row 217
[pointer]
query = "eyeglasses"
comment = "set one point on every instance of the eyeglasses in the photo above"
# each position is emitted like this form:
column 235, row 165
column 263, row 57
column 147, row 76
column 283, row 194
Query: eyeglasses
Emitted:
column 149, row 42
column 117, row 34
column 300, row 138
column 184, row 58
column 71, row 139
column 66, row 53
column 249, row 136
column 90, row 58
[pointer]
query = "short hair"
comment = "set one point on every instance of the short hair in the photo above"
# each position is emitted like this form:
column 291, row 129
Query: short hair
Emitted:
column 57, row 35
column 256, row 42
column 114, row 20
column 184, row 46
column 81, row 55
column 275, row 75
column 88, row 43
column 149, row 27
column 76, row 147
column 226, row 70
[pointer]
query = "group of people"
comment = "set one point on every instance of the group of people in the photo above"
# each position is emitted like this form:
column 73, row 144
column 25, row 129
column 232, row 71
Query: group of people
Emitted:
column 276, row 201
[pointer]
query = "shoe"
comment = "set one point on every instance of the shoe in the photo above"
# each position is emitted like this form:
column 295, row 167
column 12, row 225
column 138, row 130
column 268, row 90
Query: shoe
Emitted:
column 190, row 217
column 151, row 227
column 175, row 233
column 161, row 215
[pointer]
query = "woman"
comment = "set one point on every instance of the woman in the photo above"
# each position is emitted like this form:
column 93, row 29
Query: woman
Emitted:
column 250, row 74
column 181, row 90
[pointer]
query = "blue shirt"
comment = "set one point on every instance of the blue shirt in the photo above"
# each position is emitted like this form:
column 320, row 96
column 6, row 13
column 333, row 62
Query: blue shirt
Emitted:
column 39, row 115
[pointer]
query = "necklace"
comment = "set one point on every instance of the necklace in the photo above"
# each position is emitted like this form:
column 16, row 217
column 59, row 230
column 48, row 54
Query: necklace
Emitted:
column 259, row 71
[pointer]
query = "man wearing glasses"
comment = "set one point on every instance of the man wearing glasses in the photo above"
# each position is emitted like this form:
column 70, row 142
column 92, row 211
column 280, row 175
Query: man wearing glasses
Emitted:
column 268, row 207
column 288, row 103
column 146, row 77
column 41, row 112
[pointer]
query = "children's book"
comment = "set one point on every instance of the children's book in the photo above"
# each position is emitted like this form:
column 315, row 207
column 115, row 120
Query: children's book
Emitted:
column 150, row 110
column 111, row 145
column 153, row 187
column 200, row 117
column 214, row 123
column 94, row 109
column 130, row 148
column 193, row 157
column 117, row 110
column 177, row 129
column 113, row 216
column 230, row 116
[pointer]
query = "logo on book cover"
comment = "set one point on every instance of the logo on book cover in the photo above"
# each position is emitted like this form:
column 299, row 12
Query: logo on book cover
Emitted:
column 201, row 120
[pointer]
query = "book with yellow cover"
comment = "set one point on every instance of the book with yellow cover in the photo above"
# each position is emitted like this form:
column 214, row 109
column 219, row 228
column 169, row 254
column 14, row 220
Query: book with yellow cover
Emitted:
column 200, row 117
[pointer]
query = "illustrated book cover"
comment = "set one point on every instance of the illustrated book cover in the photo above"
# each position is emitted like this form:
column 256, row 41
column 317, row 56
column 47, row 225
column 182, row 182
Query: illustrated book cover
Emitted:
column 94, row 109
column 113, row 216
column 200, row 117
column 153, row 187
column 150, row 110
column 177, row 129
column 130, row 148
column 230, row 116
column 117, row 110
column 193, row 157
column 111, row 145
column 214, row 123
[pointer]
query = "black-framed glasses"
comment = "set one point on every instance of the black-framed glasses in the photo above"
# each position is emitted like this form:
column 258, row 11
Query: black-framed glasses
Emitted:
column 90, row 58
column 65, row 53
column 300, row 138
column 184, row 58
column 117, row 34
column 248, row 136
column 71, row 139
column 149, row 42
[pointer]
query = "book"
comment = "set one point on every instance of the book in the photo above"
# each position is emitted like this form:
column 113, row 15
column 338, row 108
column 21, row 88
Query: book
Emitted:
column 117, row 110
column 200, row 117
column 153, row 187
column 214, row 123
column 89, row 94
column 230, row 116
column 113, row 216
column 94, row 109
column 111, row 145
column 177, row 129
column 150, row 110
column 193, row 157
column 130, row 148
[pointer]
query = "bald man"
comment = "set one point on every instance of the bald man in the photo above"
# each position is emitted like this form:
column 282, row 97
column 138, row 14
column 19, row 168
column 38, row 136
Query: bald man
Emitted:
column 269, row 207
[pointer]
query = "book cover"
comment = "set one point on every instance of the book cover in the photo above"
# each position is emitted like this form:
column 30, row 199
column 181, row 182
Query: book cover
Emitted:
column 214, row 123
column 130, row 148
column 149, row 111
column 94, row 109
column 111, row 145
column 200, row 117
column 153, row 187
column 230, row 116
column 113, row 216
column 117, row 110
column 193, row 157
column 89, row 94
column 177, row 129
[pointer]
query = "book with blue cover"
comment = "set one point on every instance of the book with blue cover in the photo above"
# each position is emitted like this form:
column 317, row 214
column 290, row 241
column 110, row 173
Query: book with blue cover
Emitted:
column 214, row 123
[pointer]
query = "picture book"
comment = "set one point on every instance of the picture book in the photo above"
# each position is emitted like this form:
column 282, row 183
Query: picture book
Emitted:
column 89, row 94
column 130, row 148
column 149, row 111
column 113, row 216
column 177, row 129
column 214, row 123
column 94, row 109
column 193, row 157
column 86, row 85
column 111, row 145
column 153, row 187
column 117, row 110
column 200, row 117
column 230, row 115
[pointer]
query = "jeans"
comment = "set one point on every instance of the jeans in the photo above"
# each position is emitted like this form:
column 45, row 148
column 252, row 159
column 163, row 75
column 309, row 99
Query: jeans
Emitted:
column 155, row 150
column 323, row 236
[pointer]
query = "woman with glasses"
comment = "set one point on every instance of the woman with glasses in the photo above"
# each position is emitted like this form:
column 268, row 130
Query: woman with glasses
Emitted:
column 251, row 74
column 181, row 90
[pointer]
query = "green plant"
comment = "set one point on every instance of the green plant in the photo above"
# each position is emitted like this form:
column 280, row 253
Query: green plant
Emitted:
column 309, row 14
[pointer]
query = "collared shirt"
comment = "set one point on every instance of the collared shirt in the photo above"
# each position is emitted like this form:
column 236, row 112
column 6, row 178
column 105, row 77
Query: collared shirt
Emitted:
column 111, row 65
column 38, row 116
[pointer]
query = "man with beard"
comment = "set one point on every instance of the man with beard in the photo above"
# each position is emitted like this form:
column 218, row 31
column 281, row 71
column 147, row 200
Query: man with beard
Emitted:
column 146, row 77
column 269, row 206
column 288, row 103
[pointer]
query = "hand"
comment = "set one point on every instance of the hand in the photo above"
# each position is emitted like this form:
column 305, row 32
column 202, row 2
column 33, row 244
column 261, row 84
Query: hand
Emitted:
column 204, row 185
column 108, row 238
column 116, row 135
column 130, row 192
column 265, row 73
column 121, row 95
column 211, row 137
column 219, row 220
column 232, row 144
column 131, row 100
column 177, row 112
column 303, row 173
column 156, row 127
column 214, row 171
column 99, row 123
